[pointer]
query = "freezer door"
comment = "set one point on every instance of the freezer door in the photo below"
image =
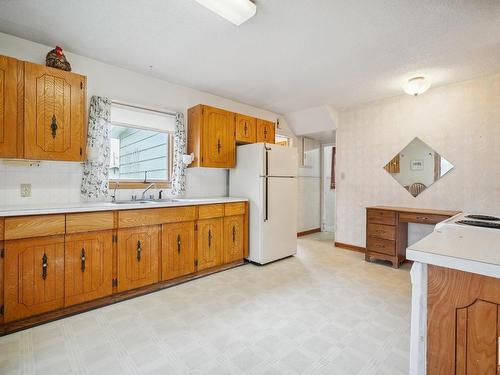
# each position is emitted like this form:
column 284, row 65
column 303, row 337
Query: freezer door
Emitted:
column 280, row 160
column 279, row 216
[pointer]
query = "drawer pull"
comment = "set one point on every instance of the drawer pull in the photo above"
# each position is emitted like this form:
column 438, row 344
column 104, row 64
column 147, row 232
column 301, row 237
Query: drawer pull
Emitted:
column 139, row 250
column 178, row 244
column 83, row 259
column 234, row 234
column 53, row 127
column 423, row 218
column 219, row 146
column 209, row 238
column 45, row 264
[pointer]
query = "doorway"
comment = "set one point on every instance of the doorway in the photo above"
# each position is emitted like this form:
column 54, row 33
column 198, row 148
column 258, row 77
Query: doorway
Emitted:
column 327, row 190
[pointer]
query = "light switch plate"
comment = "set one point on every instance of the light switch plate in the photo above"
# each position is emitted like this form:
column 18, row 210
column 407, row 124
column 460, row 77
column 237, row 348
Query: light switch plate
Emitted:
column 25, row 190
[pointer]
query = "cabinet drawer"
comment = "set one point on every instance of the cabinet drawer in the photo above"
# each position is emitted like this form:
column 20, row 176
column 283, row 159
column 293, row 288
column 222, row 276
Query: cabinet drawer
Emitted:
column 386, row 232
column 209, row 211
column 89, row 222
column 381, row 216
column 34, row 226
column 381, row 246
column 153, row 216
column 421, row 218
column 235, row 209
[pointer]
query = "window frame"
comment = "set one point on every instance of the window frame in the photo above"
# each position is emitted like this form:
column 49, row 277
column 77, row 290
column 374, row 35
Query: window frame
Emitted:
column 139, row 183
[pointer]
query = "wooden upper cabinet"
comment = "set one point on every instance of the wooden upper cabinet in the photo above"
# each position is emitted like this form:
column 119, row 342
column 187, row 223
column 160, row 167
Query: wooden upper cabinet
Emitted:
column 10, row 75
column 246, row 129
column 211, row 137
column 210, row 252
column 88, row 266
column 234, row 237
column 34, row 276
column 265, row 131
column 137, row 257
column 177, row 250
column 54, row 114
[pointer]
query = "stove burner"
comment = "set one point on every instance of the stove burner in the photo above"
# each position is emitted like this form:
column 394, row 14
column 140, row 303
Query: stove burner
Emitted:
column 484, row 224
column 483, row 217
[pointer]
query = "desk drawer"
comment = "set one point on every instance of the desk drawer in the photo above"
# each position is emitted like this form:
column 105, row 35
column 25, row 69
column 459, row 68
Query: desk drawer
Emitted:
column 34, row 226
column 381, row 246
column 381, row 216
column 421, row 218
column 386, row 232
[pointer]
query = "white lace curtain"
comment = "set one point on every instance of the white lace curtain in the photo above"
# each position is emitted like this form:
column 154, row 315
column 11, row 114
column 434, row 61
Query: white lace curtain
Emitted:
column 96, row 168
column 179, row 168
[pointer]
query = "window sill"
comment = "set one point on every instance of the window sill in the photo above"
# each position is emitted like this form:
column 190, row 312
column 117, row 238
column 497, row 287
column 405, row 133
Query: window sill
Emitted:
column 139, row 184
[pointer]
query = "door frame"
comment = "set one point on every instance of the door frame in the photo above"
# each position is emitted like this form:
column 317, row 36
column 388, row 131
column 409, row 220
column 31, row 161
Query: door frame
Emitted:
column 323, row 186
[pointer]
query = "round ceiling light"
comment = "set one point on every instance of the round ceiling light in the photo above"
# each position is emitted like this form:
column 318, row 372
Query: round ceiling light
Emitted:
column 417, row 86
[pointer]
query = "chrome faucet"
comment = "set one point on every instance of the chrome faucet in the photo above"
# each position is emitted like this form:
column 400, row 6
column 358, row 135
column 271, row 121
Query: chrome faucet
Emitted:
column 113, row 197
column 145, row 191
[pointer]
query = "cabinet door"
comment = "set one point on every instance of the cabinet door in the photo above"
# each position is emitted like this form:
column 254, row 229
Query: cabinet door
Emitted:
column 8, row 107
column 88, row 266
column 177, row 250
column 265, row 131
column 54, row 114
column 246, row 129
column 137, row 257
column 210, row 250
column 234, row 237
column 34, row 276
column 218, row 142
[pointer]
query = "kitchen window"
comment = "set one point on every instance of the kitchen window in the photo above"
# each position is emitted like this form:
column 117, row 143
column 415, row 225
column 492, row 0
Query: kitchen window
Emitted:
column 141, row 146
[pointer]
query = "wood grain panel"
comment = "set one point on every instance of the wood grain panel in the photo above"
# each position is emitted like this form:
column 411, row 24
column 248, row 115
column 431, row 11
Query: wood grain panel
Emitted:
column 421, row 218
column 29, row 290
column 210, row 240
column 381, row 217
column 231, row 209
column 218, row 138
column 265, row 131
column 234, row 237
column 246, row 129
column 34, row 226
column 386, row 232
column 381, row 246
column 154, row 216
column 177, row 247
column 137, row 257
column 8, row 107
column 89, row 221
column 88, row 266
column 2, row 228
column 209, row 211
column 54, row 114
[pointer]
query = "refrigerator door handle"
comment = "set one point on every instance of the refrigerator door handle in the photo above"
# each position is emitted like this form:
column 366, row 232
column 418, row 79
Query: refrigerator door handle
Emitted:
column 266, row 199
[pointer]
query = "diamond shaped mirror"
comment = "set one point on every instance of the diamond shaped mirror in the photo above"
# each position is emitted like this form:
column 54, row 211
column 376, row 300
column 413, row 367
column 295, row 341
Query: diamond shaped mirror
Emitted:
column 417, row 167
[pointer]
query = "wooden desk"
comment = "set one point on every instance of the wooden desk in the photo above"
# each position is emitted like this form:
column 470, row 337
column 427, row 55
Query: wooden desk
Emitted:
column 387, row 230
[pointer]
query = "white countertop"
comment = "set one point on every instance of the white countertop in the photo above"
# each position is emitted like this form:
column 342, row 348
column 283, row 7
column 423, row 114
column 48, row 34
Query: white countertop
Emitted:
column 463, row 248
column 54, row 208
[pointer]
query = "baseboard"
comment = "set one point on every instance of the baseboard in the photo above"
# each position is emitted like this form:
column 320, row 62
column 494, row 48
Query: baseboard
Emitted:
column 347, row 246
column 310, row 231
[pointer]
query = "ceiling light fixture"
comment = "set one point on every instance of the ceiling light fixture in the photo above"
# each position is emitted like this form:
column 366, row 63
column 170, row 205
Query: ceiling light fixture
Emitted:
column 235, row 11
column 417, row 86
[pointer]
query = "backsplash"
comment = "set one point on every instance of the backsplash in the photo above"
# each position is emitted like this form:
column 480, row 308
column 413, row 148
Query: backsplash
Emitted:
column 59, row 182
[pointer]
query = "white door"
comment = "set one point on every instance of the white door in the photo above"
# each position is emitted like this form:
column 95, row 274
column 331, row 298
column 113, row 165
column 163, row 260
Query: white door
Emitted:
column 279, row 234
column 282, row 160
column 328, row 209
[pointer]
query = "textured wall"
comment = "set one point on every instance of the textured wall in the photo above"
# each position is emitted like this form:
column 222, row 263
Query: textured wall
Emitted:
column 460, row 121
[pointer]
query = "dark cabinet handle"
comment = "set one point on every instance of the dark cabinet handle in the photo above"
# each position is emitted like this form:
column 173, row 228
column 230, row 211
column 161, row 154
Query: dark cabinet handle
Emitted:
column 209, row 238
column 53, row 126
column 139, row 250
column 82, row 259
column 178, row 243
column 219, row 146
column 45, row 264
column 234, row 234
column 265, row 133
column 246, row 128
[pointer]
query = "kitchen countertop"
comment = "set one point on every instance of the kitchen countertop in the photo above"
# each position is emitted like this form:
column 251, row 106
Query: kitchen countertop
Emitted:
column 54, row 208
column 467, row 249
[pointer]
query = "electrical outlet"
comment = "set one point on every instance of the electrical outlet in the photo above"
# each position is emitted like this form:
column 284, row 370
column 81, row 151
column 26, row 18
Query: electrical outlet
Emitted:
column 25, row 190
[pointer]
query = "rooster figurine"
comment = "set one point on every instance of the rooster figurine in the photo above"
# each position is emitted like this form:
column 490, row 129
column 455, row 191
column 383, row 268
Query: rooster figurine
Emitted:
column 56, row 59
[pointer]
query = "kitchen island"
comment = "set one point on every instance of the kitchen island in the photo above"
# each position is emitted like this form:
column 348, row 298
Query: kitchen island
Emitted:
column 455, row 300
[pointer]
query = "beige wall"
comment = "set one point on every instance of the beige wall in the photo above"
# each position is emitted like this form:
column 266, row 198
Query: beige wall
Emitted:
column 460, row 121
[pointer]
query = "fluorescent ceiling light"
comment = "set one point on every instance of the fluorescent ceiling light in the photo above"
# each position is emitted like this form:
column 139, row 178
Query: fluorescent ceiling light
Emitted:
column 417, row 86
column 235, row 11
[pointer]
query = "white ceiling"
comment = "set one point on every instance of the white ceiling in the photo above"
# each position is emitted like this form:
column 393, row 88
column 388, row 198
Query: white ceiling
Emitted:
column 293, row 54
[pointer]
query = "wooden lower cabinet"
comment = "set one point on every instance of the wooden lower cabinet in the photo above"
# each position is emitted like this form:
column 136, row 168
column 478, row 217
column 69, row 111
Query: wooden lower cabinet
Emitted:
column 177, row 250
column 463, row 323
column 137, row 257
column 88, row 266
column 34, row 276
column 234, row 238
column 210, row 251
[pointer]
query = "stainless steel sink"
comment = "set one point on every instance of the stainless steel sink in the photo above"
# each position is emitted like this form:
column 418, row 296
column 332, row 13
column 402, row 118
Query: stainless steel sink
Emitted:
column 141, row 201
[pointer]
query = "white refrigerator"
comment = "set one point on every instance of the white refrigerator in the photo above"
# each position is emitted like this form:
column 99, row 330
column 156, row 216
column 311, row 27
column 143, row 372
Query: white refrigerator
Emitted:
column 266, row 174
